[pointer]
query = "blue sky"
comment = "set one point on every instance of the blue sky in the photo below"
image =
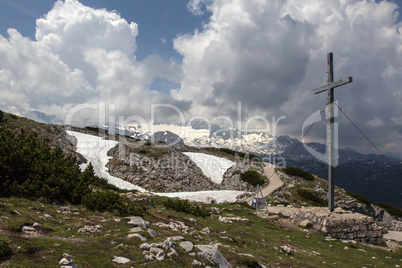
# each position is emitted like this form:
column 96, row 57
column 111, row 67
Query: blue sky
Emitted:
column 204, row 57
column 160, row 21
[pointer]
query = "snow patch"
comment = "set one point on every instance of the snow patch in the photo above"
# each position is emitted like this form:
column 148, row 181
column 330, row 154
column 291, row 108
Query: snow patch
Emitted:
column 212, row 166
column 95, row 149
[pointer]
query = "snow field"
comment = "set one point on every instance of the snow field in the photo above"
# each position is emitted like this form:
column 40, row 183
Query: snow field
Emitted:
column 212, row 166
column 95, row 149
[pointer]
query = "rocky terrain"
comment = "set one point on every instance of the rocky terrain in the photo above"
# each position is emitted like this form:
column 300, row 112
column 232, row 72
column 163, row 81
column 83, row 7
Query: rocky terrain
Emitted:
column 52, row 235
column 164, row 168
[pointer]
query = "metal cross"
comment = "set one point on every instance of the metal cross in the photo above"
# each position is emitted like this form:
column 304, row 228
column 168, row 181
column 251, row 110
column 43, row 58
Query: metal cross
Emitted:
column 330, row 127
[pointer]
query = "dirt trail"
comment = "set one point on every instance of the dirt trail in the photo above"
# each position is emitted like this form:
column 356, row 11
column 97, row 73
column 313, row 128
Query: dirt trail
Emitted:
column 274, row 181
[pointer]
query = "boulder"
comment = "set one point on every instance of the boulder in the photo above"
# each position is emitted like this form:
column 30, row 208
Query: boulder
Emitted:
column 160, row 256
column 210, row 200
column 212, row 254
column 178, row 238
column 135, row 230
column 306, row 223
column 137, row 221
column 172, row 252
column 120, row 260
column 196, row 263
column 206, row 230
column 186, row 246
column 143, row 239
column 67, row 261
column 153, row 233
column 155, row 250
column 28, row 229
column 145, row 246
column 150, row 257
column 286, row 250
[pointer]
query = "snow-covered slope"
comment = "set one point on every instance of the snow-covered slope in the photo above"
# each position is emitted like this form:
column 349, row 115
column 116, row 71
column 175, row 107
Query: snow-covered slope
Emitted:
column 212, row 166
column 95, row 149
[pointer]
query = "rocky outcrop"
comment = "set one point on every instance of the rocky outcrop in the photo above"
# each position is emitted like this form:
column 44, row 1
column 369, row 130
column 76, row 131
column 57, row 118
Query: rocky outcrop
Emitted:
column 166, row 137
column 162, row 168
column 341, row 224
column 158, row 168
column 396, row 226
column 231, row 179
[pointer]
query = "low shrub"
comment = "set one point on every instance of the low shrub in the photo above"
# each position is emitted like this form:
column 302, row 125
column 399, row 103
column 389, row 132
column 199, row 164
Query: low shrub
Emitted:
column 111, row 201
column 297, row 172
column 97, row 130
column 359, row 197
column 252, row 177
column 252, row 157
column 30, row 168
column 311, row 196
column 5, row 250
column 186, row 207
column 391, row 209
column 143, row 151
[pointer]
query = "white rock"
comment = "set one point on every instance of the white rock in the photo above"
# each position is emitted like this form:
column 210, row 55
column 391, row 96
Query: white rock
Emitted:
column 150, row 257
column 28, row 229
column 306, row 223
column 120, row 260
column 206, row 230
column 138, row 221
column 143, row 239
column 160, row 256
column 66, row 261
column 212, row 254
column 210, row 200
column 155, row 250
column 178, row 238
column 135, row 230
column 153, row 233
column 195, row 262
column 145, row 246
column 286, row 250
column 172, row 252
column 186, row 246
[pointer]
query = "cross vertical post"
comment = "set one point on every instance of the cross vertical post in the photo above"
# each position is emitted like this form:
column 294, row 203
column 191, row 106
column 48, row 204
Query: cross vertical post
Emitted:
column 330, row 127
column 330, row 133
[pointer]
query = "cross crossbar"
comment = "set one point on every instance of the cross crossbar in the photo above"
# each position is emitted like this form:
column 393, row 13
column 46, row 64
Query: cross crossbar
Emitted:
column 335, row 84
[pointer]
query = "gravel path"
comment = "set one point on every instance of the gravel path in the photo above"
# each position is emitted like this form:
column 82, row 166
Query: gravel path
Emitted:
column 394, row 235
column 274, row 181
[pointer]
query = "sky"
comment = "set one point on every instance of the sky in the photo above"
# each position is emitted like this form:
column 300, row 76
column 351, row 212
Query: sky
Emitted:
column 152, row 59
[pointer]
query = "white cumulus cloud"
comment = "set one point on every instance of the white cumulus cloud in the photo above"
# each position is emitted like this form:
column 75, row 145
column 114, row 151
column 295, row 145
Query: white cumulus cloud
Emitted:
column 80, row 54
column 271, row 54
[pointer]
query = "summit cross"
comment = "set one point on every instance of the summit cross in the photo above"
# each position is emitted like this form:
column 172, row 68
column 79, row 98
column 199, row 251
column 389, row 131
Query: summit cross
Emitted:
column 330, row 126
